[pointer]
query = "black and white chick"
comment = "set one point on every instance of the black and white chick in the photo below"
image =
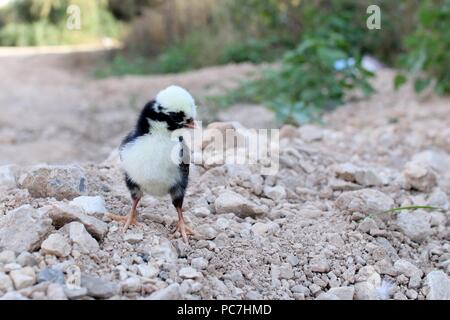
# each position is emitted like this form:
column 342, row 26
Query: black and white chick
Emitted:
column 153, row 161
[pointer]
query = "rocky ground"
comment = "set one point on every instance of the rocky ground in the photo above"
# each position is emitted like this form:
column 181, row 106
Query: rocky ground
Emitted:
column 315, row 230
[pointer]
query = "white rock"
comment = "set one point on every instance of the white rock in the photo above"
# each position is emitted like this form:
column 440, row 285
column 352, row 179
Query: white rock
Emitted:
column 286, row 271
column 23, row 229
column 289, row 132
column 310, row 213
column 276, row 193
column 260, row 228
column 73, row 292
column 23, row 278
column 206, row 231
column 365, row 291
column 439, row 285
column 58, row 181
column 231, row 202
column 439, row 199
column 235, row 276
column 57, row 245
column 415, row 281
column 384, row 266
column 164, row 251
column 62, row 214
column 133, row 238
column 415, row 224
column 11, row 266
column 327, row 296
column 26, row 259
column 8, row 177
column 79, row 236
column 199, row 263
column 98, row 287
column 310, row 133
column 201, row 212
column 365, row 201
column 253, row 295
column 343, row 293
column 222, row 223
column 420, row 177
column 218, row 285
column 319, row 264
column 366, row 225
column 148, row 271
column 7, row 256
column 55, row 291
column 195, row 286
column 300, row 289
column 172, row 292
column 293, row 260
column 90, row 205
column 189, row 273
column 439, row 161
column 132, row 284
column 51, row 275
column 368, row 274
column 363, row 176
column 13, row 295
column 6, row 283
column 407, row 268
column 315, row 289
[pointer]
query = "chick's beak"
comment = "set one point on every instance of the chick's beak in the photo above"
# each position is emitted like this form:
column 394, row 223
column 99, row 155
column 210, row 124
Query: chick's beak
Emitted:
column 190, row 124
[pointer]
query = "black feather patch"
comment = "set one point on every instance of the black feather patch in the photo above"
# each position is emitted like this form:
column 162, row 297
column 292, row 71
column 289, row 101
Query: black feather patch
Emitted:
column 134, row 188
column 179, row 189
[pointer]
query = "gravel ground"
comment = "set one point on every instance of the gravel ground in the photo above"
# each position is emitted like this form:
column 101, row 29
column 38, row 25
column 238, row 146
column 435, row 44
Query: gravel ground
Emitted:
column 315, row 230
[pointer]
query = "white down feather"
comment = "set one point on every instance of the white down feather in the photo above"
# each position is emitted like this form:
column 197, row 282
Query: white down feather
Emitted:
column 152, row 161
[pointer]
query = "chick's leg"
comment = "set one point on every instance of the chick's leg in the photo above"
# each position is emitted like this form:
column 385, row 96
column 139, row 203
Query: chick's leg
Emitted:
column 130, row 219
column 182, row 228
column 132, row 216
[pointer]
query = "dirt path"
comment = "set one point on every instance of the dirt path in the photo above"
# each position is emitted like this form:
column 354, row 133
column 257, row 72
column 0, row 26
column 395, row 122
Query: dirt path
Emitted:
column 52, row 110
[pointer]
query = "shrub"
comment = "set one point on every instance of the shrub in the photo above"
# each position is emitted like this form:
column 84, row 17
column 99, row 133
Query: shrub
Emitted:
column 427, row 57
column 252, row 50
column 121, row 66
column 43, row 22
column 320, row 71
column 161, row 26
column 309, row 81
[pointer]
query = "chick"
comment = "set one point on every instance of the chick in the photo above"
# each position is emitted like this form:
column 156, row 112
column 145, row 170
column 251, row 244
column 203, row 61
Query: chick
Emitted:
column 152, row 160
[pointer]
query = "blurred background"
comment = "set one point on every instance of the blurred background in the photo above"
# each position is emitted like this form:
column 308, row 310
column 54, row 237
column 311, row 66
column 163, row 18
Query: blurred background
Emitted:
column 70, row 92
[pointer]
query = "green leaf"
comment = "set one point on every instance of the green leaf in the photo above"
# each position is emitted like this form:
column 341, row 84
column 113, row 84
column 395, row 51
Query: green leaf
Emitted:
column 420, row 84
column 413, row 208
column 367, row 88
column 330, row 56
column 399, row 81
column 419, row 61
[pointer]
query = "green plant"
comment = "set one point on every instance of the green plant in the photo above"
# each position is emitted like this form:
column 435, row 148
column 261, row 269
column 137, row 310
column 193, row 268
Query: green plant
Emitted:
column 309, row 81
column 406, row 208
column 427, row 57
column 174, row 60
column 121, row 66
column 43, row 22
column 253, row 50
